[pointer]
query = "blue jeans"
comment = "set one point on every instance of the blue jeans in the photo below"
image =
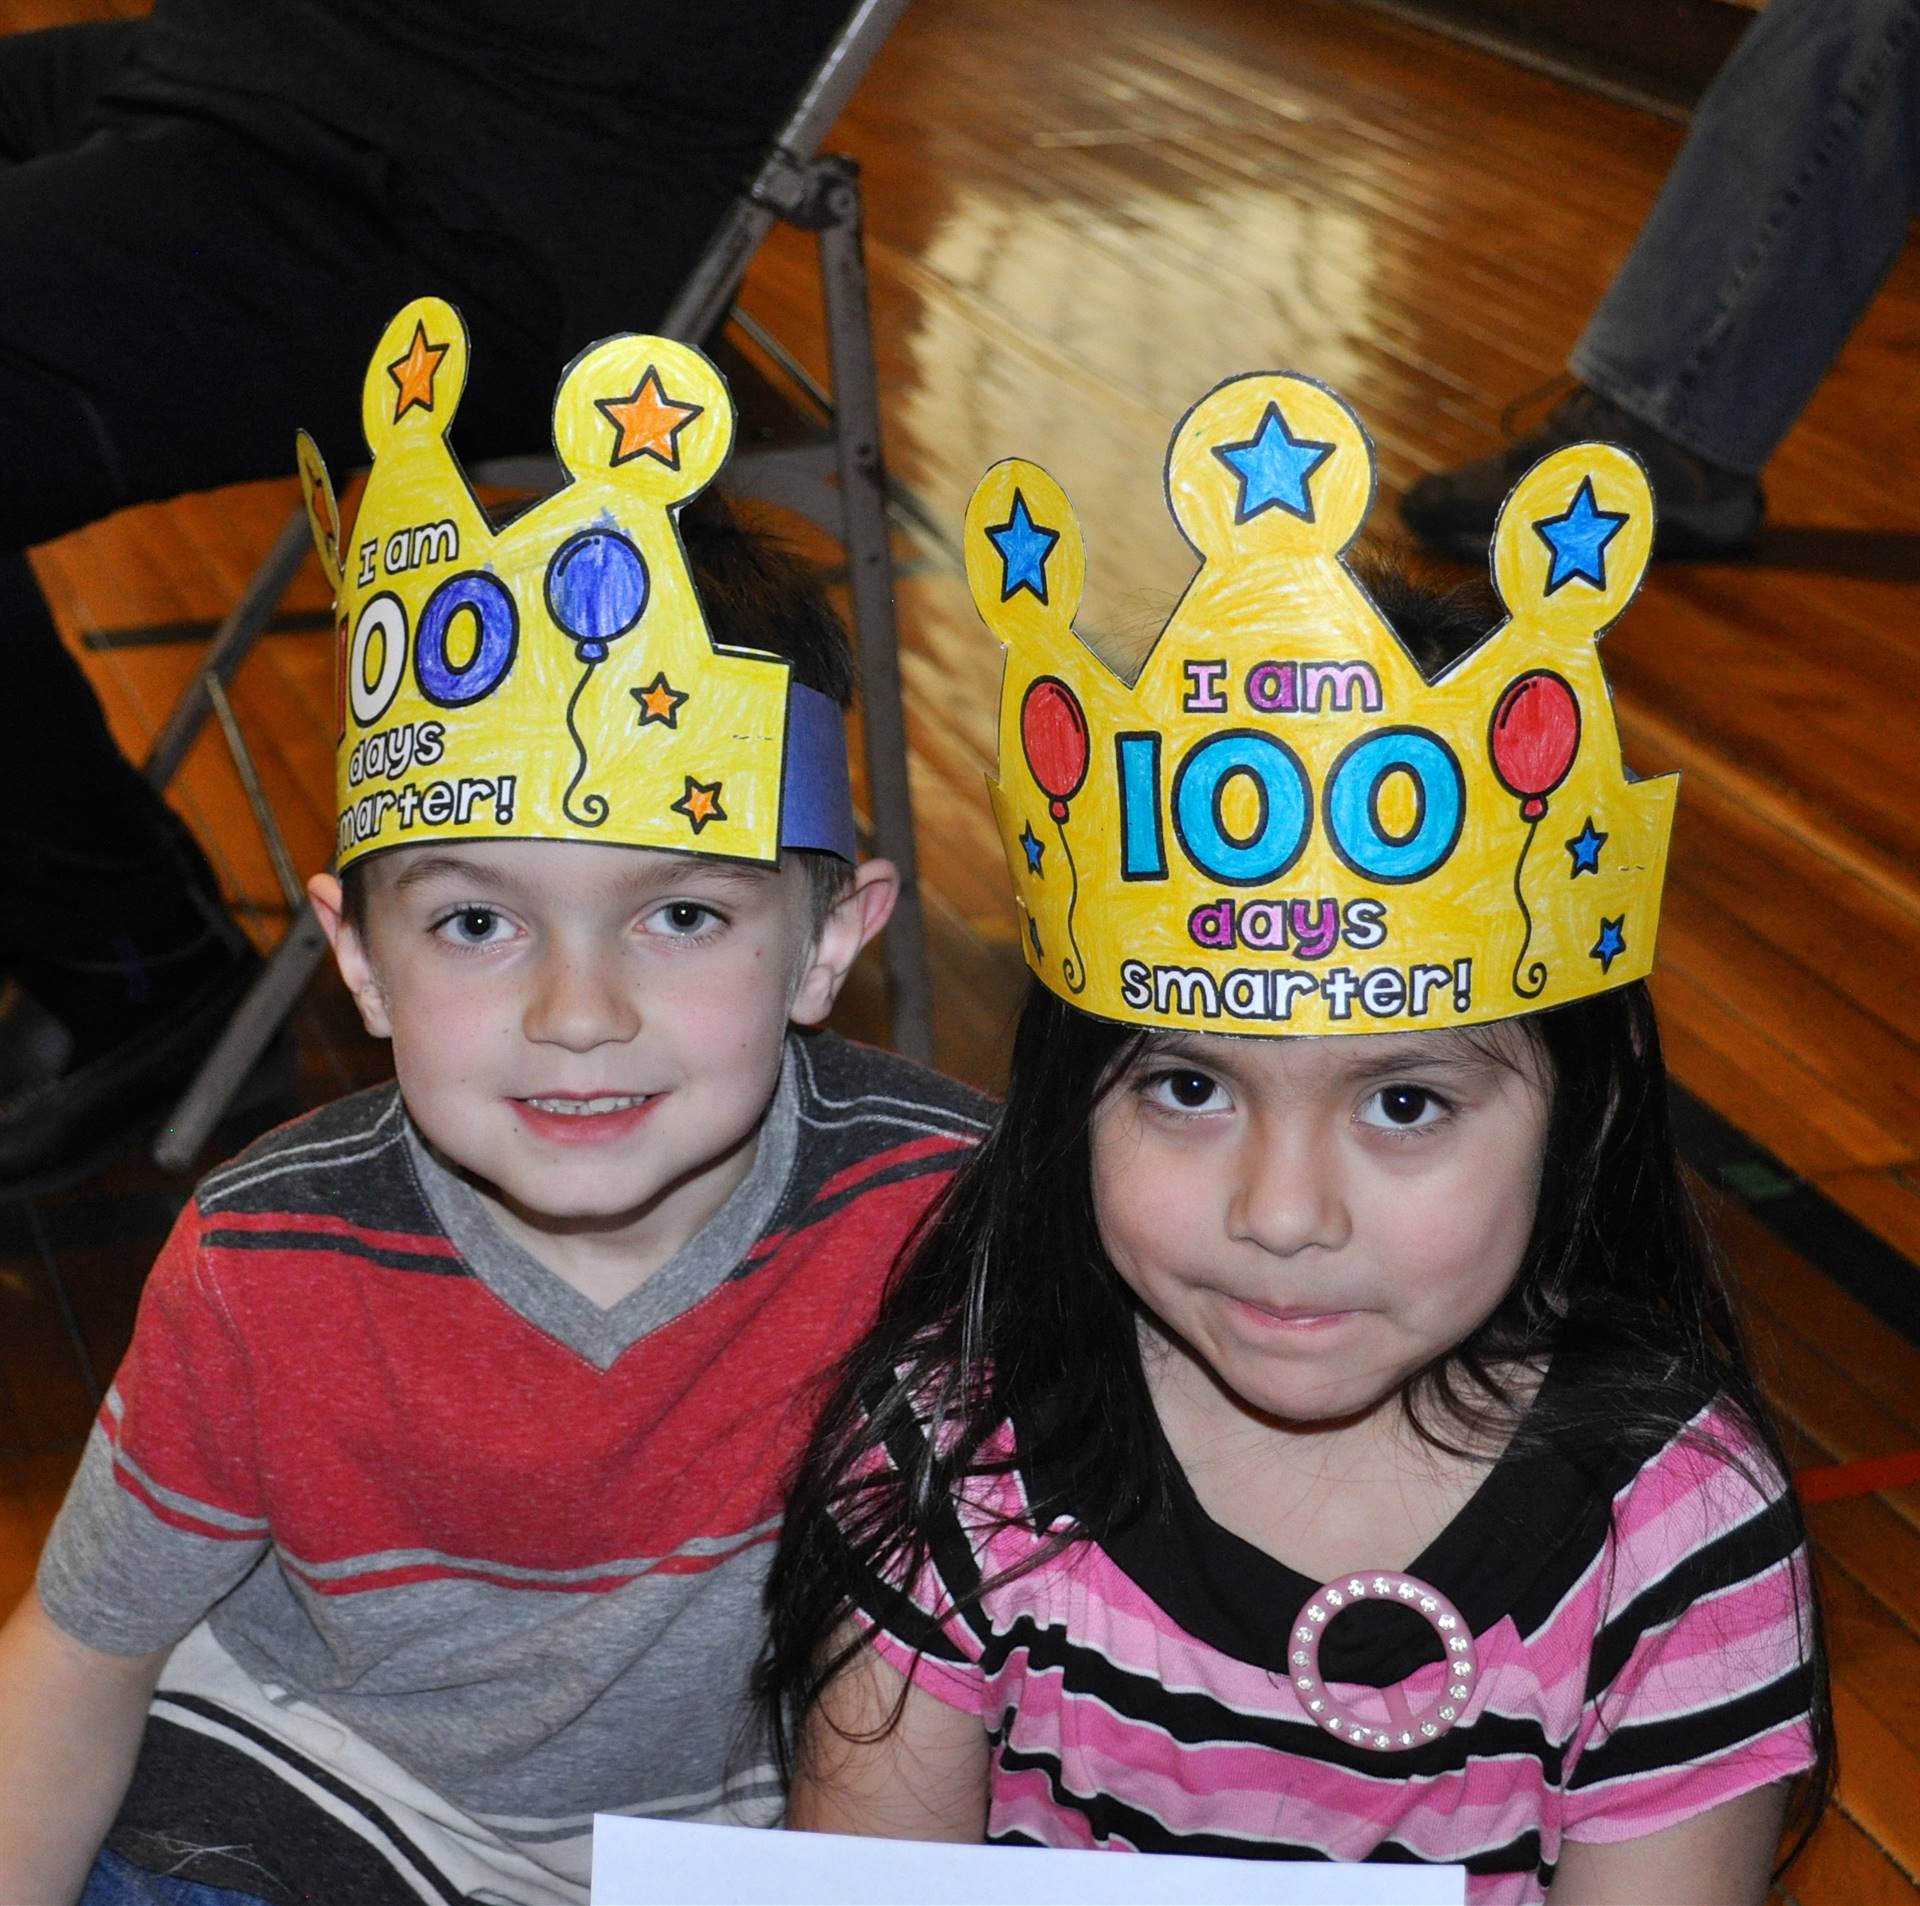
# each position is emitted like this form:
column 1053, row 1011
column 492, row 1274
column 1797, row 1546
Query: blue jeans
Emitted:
column 1785, row 209
column 114, row 1882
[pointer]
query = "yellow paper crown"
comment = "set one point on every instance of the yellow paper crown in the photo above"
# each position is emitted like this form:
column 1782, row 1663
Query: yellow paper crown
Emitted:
column 555, row 680
column 1280, row 826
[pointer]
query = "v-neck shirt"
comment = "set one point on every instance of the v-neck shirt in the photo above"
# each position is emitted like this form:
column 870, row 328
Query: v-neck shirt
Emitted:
column 601, row 1333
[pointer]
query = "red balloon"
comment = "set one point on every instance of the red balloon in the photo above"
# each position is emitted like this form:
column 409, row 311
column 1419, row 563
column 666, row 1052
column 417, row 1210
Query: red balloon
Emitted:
column 1053, row 734
column 1533, row 738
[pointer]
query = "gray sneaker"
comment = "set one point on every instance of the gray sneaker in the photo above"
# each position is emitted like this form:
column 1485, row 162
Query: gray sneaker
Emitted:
column 1701, row 510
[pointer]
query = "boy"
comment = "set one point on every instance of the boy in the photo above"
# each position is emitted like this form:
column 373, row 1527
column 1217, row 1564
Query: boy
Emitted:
column 436, row 1491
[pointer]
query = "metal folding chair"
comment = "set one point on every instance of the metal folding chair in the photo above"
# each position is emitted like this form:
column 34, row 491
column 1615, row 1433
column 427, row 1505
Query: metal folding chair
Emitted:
column 834, row 476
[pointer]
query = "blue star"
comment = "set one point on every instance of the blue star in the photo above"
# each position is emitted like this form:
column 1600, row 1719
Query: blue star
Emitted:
column 1611, row 943
column 1585, row 848
column 1024, row 547
column 1579, row 539
column 1035, row 847
column 1033, row 933
column 1273, row 466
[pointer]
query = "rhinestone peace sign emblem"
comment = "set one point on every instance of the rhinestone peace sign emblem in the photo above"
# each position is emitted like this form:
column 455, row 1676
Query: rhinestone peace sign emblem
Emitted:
column 1403, row 1728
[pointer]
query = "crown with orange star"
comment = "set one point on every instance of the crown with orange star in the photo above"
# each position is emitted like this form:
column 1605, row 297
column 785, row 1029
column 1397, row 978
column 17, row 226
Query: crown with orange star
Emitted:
column 1281, row 826
column 556, row 680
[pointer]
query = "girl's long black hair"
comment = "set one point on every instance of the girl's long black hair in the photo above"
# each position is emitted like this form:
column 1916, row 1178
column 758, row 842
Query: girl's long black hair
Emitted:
column 1006, row 1308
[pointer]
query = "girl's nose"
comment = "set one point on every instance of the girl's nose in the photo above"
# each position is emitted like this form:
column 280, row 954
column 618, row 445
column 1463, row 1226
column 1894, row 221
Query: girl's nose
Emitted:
column 580, row 1001
column 1287, row 1196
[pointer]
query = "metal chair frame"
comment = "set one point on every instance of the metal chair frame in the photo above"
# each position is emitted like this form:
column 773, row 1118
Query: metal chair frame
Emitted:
column 836, row 478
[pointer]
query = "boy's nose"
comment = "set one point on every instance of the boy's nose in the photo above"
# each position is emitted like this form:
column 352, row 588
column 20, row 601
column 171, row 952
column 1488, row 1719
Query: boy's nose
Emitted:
column 1287, row 1196
column 580, row 1002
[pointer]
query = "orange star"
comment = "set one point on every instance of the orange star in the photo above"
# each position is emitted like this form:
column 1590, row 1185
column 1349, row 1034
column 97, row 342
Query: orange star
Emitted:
column 414, row 373
column 701, row 803
column 649, row 422
column 659, row 701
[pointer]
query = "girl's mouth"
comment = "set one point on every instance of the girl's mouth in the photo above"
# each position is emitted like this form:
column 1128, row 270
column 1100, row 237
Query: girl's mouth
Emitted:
column 1300, row 1317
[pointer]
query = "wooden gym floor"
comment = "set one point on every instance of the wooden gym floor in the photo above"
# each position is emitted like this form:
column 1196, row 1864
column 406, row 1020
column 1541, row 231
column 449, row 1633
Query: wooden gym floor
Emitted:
column 1074, row 234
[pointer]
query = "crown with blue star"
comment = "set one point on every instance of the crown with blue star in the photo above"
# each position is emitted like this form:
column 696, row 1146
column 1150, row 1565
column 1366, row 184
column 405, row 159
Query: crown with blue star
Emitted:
column 1280, row 826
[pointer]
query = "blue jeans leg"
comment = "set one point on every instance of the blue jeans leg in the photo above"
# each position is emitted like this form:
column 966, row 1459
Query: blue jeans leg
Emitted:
column 1785, row 209
column 116, row 1882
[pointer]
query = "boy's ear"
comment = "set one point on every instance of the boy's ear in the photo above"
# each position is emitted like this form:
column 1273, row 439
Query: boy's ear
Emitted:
column 350, row 954
column 857, row 917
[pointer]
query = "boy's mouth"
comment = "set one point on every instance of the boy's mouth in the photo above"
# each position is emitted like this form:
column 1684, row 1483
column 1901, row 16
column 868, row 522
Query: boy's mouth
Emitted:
column 589, row 1118
column 589, row 1108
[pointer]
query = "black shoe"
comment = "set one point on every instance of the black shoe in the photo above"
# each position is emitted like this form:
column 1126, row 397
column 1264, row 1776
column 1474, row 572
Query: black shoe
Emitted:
column 58, row 1130
column 1700, row 509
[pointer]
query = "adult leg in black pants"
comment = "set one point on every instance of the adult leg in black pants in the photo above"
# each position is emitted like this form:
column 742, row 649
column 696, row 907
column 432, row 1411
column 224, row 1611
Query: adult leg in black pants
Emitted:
column 179, row 296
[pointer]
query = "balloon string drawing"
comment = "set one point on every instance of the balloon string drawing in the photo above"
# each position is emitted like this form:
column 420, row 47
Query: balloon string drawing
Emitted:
column 1532, row 740
column 596, row 590
column 1053, row 736
column 594, row 808
column 1073, row 967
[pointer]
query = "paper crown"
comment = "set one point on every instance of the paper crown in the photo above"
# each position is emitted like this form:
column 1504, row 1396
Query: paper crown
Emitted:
column 1281, row 826
column 556, row 681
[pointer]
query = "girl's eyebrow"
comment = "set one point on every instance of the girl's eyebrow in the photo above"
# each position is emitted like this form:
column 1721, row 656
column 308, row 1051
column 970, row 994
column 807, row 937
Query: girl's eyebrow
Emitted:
column 1411, row 1052
column 1179, row 1045
column 1422, row 1054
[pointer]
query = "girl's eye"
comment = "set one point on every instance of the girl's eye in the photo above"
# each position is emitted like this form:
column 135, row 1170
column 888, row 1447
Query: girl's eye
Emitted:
column 681, row 919
column 473, row 926
column 1403, row 1108
column 1184, row 1090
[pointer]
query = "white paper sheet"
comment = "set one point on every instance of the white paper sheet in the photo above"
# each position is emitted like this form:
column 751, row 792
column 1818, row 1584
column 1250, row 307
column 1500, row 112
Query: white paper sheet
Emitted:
column 669, row 1863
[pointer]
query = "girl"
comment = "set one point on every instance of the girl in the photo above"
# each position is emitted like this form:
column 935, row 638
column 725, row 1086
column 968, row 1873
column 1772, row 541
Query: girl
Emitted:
column 1312, row 1448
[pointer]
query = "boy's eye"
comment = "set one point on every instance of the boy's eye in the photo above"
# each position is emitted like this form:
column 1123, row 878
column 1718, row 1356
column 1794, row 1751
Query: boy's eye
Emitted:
column 682, row 918
column 473, row 926
column 1403, row 1108
column 1184, row 1090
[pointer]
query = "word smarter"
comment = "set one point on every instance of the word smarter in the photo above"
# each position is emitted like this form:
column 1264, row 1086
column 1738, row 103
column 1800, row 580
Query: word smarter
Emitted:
column 1269, row 992
column 436, row 804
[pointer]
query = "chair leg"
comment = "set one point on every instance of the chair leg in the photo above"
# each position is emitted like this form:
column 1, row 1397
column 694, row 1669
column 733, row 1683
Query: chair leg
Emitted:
column 260, row 1015
column 863, row 492
column 268, row 1003
column 231, row 644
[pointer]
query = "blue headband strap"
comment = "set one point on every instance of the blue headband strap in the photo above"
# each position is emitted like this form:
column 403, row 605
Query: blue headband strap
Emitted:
column 816, row 796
